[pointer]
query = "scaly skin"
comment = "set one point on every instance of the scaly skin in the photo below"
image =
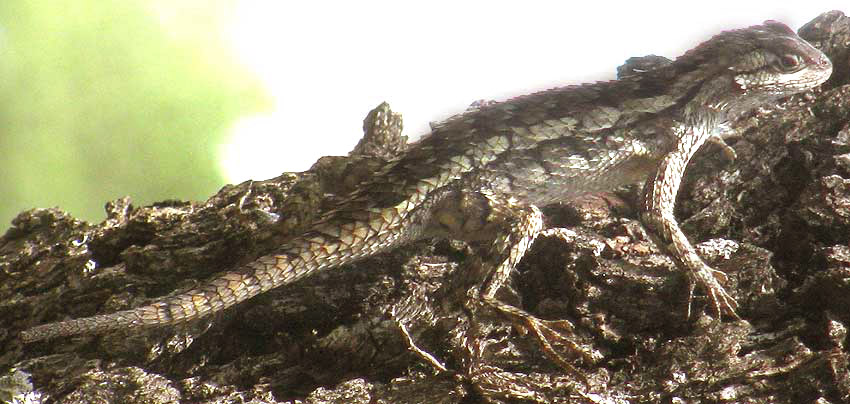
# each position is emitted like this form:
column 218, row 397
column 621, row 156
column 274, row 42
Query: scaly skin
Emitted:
column 488, row 170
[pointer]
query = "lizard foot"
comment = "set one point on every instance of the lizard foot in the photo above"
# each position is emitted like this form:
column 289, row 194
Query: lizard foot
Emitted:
column 709, row 279
column 548, row 333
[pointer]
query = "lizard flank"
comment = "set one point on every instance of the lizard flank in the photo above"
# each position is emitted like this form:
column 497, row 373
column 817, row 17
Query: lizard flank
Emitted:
column 486, row 172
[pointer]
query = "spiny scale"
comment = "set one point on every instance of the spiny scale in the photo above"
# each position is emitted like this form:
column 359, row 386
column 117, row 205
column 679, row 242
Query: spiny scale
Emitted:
column 490, row 168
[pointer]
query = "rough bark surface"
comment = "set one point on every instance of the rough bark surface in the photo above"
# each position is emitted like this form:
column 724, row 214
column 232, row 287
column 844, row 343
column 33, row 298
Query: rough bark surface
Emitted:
column 776, row 220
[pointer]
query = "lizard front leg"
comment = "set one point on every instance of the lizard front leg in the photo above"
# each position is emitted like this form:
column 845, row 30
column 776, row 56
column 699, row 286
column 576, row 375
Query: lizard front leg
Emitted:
column 659, row 201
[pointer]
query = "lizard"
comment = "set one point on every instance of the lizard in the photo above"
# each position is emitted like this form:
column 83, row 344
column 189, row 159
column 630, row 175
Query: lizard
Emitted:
column 488, row 171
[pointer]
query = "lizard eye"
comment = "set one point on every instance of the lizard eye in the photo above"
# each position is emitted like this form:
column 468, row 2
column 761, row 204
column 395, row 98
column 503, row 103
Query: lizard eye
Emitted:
column 790, row 62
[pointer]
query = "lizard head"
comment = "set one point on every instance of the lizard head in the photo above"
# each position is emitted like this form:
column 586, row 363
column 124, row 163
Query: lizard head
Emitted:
column 778, row 63
column 738, row 70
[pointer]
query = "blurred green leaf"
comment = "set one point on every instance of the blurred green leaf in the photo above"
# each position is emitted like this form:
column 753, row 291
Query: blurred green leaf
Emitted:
column 101, row 99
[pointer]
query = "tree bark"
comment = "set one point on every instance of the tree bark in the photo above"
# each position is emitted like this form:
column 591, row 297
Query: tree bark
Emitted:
column 776, row 220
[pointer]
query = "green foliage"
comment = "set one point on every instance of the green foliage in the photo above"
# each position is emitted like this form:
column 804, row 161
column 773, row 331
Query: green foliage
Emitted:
column 101, row 99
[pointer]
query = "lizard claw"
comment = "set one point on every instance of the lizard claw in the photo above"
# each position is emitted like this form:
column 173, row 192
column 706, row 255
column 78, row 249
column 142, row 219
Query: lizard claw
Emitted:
column 709, row 279
column 547, row 332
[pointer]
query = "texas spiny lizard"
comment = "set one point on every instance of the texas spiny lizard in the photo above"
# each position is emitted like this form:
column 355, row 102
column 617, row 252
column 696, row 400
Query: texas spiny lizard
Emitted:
column 486, row 172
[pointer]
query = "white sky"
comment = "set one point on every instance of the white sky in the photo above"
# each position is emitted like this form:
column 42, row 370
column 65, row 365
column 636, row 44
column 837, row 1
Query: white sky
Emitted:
column 328, row 63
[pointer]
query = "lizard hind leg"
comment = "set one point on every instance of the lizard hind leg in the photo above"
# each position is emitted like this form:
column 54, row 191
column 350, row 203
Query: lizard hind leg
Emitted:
column 477, row 216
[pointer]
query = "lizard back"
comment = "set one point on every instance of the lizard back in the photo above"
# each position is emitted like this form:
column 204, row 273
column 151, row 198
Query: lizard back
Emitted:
column 540, row 148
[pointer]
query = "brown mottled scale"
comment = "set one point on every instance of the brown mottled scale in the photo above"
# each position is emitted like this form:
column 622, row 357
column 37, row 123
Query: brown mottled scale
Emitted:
column 501, row 161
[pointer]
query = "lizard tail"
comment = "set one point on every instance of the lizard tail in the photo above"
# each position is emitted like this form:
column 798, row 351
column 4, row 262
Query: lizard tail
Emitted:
column 314, row 251
column 218, row 294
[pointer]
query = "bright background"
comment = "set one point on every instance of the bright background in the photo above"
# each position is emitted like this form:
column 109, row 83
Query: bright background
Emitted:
column 161, row 99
